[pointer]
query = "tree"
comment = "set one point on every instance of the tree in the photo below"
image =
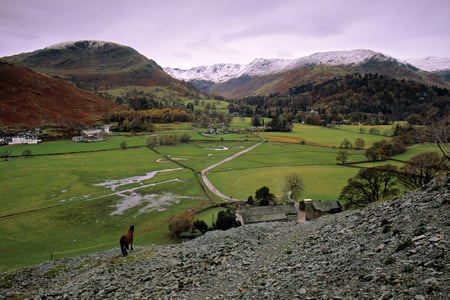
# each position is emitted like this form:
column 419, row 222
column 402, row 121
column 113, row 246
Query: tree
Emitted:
column 439, row 133
column 250, row 200
column 152, row 142
column 5, row 154
column 421, row 169
column 181, row 223
column 359, row 143
column 27, row 153
column 264, row 197
column 293, row 186
column 384, row 149
column 370, row 185
column 346, row 144
column 201, row 226
column 226, row 219
column 342, row 156
column 185, row 138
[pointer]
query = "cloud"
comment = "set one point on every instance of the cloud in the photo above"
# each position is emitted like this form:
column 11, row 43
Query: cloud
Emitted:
column 182, row 33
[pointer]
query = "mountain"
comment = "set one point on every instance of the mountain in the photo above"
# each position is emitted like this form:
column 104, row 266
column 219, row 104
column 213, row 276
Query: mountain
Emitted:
column 32, row 99
column 271, row 76
column 431, row 64
column 261, row 66
column 100, row 66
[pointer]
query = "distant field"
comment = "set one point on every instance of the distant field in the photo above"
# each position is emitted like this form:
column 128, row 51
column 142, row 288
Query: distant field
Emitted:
column 270, row 163
column 322, row 136
column 82, row 201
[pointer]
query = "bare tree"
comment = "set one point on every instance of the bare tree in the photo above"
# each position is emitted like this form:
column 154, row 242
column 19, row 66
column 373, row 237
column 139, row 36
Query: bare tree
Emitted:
column 439, row 133
column 342, row 156
column 293, row 186
column 370, row 185
column 5, row 154
column 421, row 169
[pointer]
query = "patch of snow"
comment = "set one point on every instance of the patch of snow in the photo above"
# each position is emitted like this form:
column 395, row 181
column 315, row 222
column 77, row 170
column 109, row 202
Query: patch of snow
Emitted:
column 430, row 64
column 221, row 148
column 91, row 44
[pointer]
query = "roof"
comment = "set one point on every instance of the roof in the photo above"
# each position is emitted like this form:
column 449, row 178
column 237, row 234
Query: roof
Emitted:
column 267, row 213
column 326, row 205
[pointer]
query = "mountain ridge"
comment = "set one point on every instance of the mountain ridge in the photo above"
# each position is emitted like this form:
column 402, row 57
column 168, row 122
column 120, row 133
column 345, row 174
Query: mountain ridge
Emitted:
column 98, row 66
column 222, row 72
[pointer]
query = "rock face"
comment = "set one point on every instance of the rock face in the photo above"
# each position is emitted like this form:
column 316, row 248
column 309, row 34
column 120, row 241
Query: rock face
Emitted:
column 393, row 250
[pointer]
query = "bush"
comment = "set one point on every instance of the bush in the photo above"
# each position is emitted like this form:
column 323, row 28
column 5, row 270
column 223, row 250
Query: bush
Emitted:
column 226, row 219
column 180, row 223
column 27, row 153
column 201, row 226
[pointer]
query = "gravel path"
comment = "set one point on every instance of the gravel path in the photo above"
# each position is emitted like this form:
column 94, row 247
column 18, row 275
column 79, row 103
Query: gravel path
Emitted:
column 210, row 186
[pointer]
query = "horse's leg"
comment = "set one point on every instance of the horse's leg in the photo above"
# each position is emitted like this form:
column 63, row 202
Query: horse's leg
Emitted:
column 131, row 243
column 123, row 249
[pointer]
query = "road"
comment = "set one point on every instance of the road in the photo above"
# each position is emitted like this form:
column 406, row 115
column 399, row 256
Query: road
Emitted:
column 210, row 186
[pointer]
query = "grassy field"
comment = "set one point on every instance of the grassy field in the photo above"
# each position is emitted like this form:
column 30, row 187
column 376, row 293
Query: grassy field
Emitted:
column 325, row 137
column 84, row 199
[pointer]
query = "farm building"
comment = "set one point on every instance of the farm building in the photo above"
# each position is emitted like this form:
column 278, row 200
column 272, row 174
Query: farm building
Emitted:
column 93, row 134
column 27, row 137
column 317, row 208
column 306, row 211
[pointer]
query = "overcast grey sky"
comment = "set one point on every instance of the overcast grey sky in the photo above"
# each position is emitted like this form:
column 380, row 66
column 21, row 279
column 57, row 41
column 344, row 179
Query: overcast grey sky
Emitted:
column 187, row 33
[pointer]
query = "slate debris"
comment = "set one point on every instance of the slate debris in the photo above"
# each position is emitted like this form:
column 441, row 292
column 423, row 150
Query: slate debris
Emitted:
column 397, row 249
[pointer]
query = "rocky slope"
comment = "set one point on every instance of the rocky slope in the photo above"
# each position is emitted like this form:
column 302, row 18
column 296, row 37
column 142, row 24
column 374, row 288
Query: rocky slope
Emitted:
column 392, row 250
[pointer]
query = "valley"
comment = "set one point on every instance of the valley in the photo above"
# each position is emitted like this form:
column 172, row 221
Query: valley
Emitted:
column 191, row 142
column 78, row 200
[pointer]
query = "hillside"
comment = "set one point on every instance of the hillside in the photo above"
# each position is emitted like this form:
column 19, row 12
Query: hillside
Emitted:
column 271, row 76
column 358, row 97
column 31, row 99
column 391, row 250
column 100, row 66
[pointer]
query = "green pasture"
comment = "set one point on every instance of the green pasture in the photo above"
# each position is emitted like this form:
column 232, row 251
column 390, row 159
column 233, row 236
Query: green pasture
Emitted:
column 51, row 205
column 322, row 136
column 200, row 155
column 269, row 163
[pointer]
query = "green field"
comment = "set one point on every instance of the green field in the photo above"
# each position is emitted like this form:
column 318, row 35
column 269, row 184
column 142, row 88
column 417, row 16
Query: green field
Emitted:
column 73, row 198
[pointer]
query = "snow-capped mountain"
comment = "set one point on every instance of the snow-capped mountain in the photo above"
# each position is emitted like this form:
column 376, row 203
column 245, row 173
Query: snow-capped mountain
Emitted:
column 260, row 66
column 224, row 72
column 431, row 64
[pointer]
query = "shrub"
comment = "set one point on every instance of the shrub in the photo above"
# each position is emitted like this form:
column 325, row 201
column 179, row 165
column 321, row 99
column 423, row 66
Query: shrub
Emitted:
column 180, row 223
column 201, row 226
column 226, row 219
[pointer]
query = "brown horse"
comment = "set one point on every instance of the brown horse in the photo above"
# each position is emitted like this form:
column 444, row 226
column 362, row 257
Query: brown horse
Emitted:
column 126, row 240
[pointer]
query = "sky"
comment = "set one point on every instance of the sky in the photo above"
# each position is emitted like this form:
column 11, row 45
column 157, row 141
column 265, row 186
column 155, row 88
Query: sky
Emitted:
column 188, row 33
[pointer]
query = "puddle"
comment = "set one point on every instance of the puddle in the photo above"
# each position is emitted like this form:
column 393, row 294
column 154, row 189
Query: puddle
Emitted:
column 115, row 183
column 149, row 203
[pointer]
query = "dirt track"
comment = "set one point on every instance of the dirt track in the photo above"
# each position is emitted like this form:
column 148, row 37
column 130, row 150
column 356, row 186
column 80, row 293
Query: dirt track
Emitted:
column 210, row 186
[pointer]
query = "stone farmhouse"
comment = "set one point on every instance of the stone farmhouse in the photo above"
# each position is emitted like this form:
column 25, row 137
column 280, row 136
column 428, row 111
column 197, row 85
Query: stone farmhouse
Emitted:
column 306, row 210
column 93, row 134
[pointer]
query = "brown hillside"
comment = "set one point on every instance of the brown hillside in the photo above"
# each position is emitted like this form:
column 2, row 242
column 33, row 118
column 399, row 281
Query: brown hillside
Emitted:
column 32, row 99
